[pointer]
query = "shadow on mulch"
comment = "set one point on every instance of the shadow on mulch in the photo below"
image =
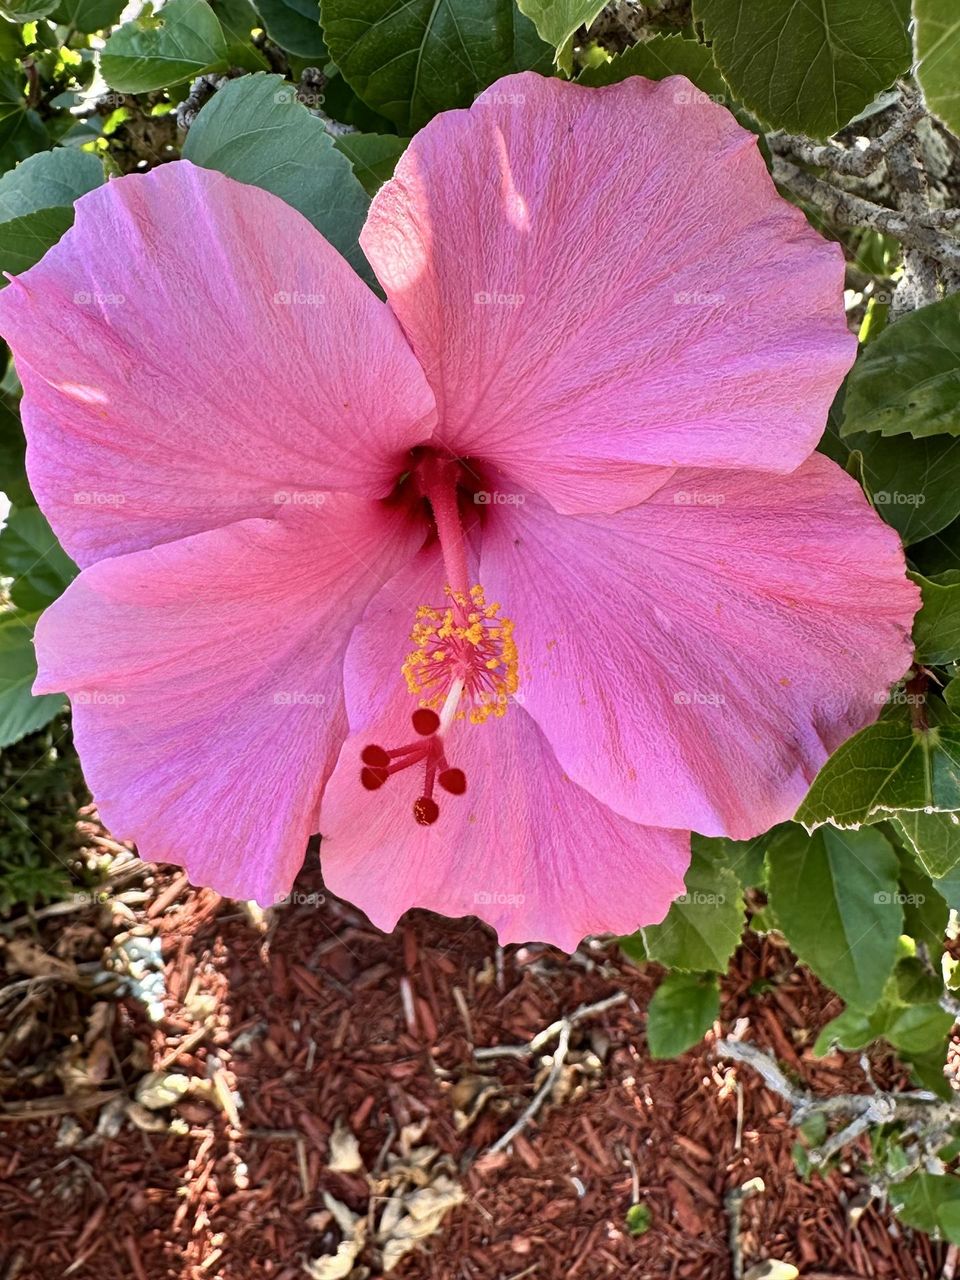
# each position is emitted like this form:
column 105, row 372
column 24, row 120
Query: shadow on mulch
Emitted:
column 312, row 1019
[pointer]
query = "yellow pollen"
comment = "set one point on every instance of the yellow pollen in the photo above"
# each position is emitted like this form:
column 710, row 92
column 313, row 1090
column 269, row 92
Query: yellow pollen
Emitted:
column 469, row 640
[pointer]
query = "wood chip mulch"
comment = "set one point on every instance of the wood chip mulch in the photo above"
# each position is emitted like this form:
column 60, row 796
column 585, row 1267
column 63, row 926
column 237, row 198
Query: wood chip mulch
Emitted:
column 278, row 1030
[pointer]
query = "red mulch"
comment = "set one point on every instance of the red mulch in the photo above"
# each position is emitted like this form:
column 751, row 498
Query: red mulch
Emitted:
column 314, row 1016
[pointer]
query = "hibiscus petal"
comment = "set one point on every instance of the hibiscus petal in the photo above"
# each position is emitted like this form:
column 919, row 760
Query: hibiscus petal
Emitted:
column 603, row 281
column 525, row 849
column 694, row 660
column 194, row 352
column 206, row 681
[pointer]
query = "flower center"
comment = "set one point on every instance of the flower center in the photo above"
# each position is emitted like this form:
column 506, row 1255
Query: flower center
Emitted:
column 463, row 664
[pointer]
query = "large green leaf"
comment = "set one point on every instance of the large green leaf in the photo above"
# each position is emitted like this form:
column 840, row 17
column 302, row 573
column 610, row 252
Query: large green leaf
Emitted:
column 31, row 555
column 20, row 712
column 89, row 15
column 703, row 927
column 907, row 381
column 936, row 628
column 888, row 766
column 683, row 1009
column 807, row 67
column 934, row 837
column 295, row 26
column 914, row 484
column 373, row 156
column 157, row 50
column 835, row 896
column 409, row 61
column 658, row 57
column 936, row 34
column 255, row 130
column 929, row 1202
column 36, row 203
column 557, row 20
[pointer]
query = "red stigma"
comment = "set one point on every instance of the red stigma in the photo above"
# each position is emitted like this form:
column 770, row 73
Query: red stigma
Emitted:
column 425, row 721
column 426, row 811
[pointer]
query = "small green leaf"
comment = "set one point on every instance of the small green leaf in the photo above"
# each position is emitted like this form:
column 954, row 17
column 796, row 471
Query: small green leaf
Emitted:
column 658, row 57
column 744, row 857
column 934, row 838
column 295, row 26
column 639, row 1219
column 21, row 129
column 703, row 926
column 157, row 50
column 936, row 36
column 557, row 20
column 255, row 130
column 928, row 1202
column 20, row 712
column 373, row 156
column 88, row 15
column 886, row 767
column 36, row 203
column 683, row 1009
column 809, row 68
column 411, row 60
column 31, row 555
column 936, row 628
column 907, row 381
column 835, row 896
column 914, row 484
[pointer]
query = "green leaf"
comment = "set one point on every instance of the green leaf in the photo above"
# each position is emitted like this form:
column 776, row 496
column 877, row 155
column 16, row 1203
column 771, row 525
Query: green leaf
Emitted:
column 659, row 57
column 411, row 60
column 255, row 130
column 20, row 712
column 21, row 129
column 808, row 68
column 914, row 484
column 36, row 203
column 835, row 896
column 914, row 1030
column 373, row 156
column 703, row 926
column 161, row 49
column 89, row 15
column 936, row 628
column 936, row 36
column 32, row 556
column 928, row 1202
column 295, row 26
column 29, row 11
column 908, row 379
column 557, row 20
column 744, row 857
column 13, row 475
column 925, row 914
column 886, row 767
column 238, row 18
column 683, row 1009
column 934, row 838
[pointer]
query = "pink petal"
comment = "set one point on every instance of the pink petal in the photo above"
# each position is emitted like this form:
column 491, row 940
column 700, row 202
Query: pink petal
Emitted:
column 206, row 681
column 169, row 388
column 525, row 849
column 601, row 281
column 693, row 661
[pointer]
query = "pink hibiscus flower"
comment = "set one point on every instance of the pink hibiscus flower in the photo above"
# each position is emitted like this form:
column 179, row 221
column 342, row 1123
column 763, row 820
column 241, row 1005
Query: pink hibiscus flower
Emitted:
column 503, row 586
